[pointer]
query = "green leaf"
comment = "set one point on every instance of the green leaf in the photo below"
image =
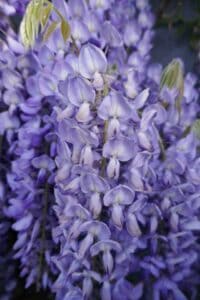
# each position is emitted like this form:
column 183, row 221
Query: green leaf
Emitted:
column 23, row 35
column 52, row 27
column 36, row 9
column 33, row 17
column 59, row 13
column 29, row 27
column 45, row 14
column 65, row 30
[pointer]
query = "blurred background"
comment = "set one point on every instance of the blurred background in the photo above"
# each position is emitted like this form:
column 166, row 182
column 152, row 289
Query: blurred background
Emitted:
column 177, row 32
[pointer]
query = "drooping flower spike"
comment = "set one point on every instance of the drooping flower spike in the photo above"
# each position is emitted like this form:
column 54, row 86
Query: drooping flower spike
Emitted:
column 93, row 139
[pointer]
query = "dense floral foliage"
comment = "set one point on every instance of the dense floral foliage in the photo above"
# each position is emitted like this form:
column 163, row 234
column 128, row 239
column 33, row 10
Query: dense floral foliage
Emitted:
column 100, row 185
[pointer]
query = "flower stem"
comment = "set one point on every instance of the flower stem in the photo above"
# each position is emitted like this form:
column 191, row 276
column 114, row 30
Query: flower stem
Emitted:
column 162, row 149
column 103, row 160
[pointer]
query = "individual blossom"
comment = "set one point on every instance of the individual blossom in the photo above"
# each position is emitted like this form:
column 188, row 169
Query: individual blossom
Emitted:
column 117, row 198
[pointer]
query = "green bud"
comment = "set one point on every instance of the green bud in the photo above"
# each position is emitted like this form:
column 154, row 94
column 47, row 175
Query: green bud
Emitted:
column 173, row 77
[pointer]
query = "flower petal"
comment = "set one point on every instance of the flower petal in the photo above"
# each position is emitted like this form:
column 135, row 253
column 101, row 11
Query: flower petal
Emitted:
column 23, row 223
column 91, row 60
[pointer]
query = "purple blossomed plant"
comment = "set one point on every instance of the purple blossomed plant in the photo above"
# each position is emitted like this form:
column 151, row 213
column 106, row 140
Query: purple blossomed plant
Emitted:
column 102, row 178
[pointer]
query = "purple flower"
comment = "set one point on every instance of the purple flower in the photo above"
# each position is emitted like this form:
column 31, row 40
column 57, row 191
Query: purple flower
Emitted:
column 80, row 32
column 80, row 93
column 131, row 218
column 18, row 6
column 7, row 122
column 91, row 138
column 93, row 185
column 101, row 5
column 106, row 247
column 118, row 149
column 47, row 84
column 132, row 34
column 94, row 229
column 11, row 79
column 118, row 197
column 92, row 61
column 111, row 35
column 116, row 110
column 123, row 289
column 81, row 140
column 77, row 7
column 132, row 84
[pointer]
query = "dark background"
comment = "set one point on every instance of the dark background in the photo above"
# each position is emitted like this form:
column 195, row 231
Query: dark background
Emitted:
column 177, row 32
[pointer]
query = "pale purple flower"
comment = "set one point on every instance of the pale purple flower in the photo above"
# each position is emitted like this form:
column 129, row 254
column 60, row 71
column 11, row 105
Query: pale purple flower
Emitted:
column 117, row 198
column 92, row 61
column 81, row 94
column 7, row 122
column 94, row 229
column 132, row 34
column 106, row 247
column 101, row 5
column 111, row 35
column 118, row 149
column 126, row 185
column 47, row 84
column 93, row 186
column 80, row 32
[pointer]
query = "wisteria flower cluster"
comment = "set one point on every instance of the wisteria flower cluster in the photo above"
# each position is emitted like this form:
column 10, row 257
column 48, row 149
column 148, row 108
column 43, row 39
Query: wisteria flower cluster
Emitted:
column 100, row 162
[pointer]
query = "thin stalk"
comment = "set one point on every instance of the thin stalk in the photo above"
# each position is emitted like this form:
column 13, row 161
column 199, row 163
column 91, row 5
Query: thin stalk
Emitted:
column 162, row 149
column 103, row 160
